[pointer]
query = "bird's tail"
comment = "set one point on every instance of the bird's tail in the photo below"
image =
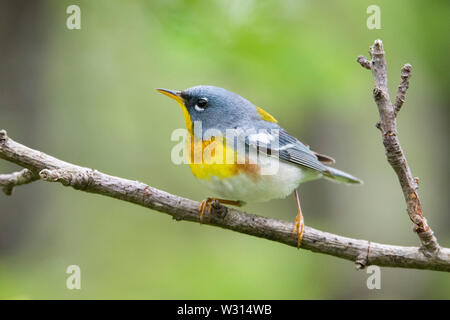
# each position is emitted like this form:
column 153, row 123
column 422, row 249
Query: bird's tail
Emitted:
column 341, row 176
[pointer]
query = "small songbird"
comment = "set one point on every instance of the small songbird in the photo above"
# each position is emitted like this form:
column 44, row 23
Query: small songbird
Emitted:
column 229, row 173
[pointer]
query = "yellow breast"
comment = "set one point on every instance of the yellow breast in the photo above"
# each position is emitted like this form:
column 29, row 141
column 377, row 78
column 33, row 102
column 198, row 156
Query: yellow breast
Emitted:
column 214, row 158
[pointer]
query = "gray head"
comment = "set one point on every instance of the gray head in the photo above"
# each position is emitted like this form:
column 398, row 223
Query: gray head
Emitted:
column 216, row 107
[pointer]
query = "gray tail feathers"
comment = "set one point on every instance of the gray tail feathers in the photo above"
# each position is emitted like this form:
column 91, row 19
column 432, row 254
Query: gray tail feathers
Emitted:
column 341, row 176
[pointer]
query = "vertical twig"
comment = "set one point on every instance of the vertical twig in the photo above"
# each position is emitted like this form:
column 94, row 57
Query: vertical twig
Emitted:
column 402, row 88
column 394, row 152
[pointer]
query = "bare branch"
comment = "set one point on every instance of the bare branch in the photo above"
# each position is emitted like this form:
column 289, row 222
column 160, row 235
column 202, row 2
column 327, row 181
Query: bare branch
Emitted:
column 364, row 62
column 88, row 180
column 402, row 88
column 9, row 181
column 394, row 152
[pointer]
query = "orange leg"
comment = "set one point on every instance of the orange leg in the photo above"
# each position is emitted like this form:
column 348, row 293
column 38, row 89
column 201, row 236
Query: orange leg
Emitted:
column 207, row 203
column 299, row 224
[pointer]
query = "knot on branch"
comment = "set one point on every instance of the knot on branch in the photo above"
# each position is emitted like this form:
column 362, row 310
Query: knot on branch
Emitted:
column 3, row 136
column 430, row 247
column 406, row 72
column 391, row 133
column 378, row 94
column 9, row 181
column 378, row 125
column 364, row 62
column 377, row 48
column 362, row 260
column 419, row 226
column 78, row 179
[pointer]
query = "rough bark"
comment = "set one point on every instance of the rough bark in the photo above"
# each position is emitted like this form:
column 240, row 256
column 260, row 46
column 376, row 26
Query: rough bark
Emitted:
column 362, row 252
column 9, row 181
column 394, row 151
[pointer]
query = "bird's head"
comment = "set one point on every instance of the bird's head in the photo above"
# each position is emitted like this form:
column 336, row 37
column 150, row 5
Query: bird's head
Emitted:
column 214, row 107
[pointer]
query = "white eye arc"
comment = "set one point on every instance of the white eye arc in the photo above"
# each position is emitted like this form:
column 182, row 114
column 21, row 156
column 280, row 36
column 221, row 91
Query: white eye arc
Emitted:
column 196, row 107
column 201, row 104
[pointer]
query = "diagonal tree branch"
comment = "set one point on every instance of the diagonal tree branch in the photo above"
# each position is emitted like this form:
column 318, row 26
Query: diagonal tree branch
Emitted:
column 394, row 152
column 362, row 252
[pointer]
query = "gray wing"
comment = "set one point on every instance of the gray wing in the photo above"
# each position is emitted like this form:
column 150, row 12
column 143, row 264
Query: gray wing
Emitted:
column 287, row 148
column 292, row 150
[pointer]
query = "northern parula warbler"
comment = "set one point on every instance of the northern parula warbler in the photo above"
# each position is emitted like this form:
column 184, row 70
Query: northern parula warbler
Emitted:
column 240, row 180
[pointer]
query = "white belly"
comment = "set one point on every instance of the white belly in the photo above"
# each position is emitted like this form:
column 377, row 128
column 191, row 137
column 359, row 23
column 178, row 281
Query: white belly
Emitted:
column 266, row 187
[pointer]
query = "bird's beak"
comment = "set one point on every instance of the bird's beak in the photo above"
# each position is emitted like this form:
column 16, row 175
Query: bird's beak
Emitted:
column 174, row 94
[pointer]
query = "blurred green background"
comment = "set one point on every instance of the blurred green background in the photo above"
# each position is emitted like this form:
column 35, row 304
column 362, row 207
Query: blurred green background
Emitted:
column 86, row 96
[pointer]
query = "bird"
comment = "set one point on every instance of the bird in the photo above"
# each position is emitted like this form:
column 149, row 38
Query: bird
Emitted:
column 281, row 164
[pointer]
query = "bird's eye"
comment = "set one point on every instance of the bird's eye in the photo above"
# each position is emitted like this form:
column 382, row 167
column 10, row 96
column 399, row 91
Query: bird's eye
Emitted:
column 201, row 104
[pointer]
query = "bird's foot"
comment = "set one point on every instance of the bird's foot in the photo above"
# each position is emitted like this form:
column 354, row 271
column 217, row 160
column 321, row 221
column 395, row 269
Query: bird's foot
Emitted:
column 299, row 224
column 299, row 227
column 215, row 203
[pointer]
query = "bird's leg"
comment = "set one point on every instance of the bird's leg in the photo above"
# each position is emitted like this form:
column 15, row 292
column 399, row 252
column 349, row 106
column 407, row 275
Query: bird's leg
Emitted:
column 299, row 224
column 208, row 203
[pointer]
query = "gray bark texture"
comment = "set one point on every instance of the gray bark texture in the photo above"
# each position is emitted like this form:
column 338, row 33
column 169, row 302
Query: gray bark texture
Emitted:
column 394, row 151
